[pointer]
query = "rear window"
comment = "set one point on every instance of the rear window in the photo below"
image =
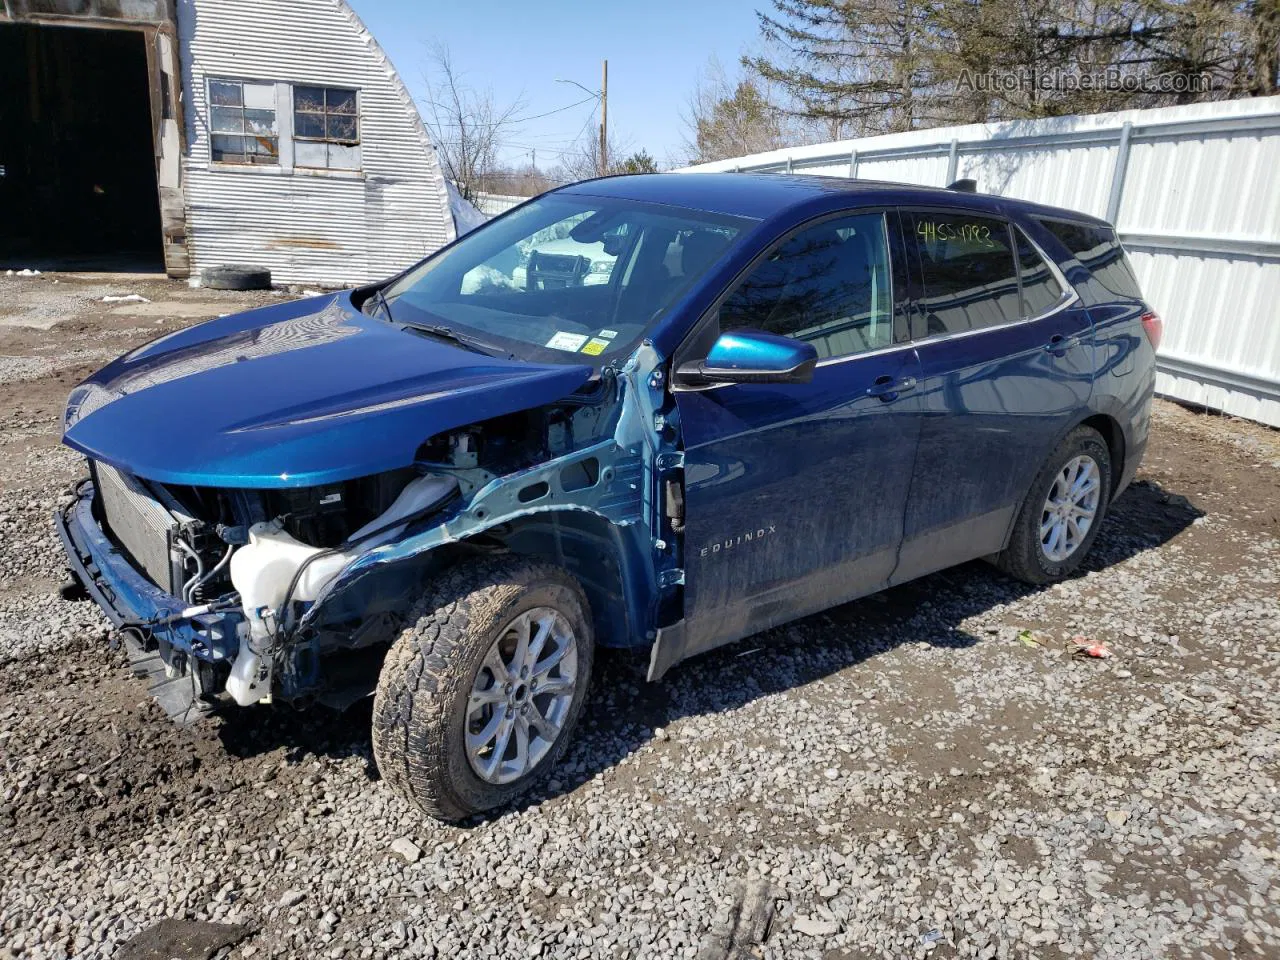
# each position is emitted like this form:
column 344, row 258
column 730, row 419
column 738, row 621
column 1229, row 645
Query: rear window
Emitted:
column 1098, row 249
column 1041, row 291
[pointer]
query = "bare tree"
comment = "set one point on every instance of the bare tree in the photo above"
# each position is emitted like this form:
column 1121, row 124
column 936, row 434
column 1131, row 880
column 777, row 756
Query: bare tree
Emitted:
column 468, row 125
column 582, row 160
column 731, row 117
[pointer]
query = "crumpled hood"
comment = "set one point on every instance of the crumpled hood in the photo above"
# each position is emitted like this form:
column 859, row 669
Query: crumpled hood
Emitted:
column 293, row 395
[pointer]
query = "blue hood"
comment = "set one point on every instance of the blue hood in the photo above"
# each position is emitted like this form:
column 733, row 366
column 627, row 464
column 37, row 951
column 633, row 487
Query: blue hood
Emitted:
column 293, row 395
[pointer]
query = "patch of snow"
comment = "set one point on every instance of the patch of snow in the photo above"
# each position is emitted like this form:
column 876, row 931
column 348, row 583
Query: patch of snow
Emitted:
column 465, row 215
column 485, row 277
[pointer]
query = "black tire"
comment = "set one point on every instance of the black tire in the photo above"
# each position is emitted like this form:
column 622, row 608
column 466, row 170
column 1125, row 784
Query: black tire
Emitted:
column 1025, row 558
column 234, row 277
column 420, row 707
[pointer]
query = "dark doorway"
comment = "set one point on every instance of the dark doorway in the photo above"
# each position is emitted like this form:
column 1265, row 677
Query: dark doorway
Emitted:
column 78, row 181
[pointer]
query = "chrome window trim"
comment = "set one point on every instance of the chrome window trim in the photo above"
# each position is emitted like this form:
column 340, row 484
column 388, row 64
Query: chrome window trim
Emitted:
column 1066, row 301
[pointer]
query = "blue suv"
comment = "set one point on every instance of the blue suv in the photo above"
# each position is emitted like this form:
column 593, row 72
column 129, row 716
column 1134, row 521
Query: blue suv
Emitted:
column 661, row 411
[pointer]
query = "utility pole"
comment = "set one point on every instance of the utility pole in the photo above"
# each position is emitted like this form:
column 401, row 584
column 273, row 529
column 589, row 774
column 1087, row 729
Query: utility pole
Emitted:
column 604, row 119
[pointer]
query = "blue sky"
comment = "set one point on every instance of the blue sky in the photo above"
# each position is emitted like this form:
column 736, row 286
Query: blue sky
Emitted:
column 655, row 49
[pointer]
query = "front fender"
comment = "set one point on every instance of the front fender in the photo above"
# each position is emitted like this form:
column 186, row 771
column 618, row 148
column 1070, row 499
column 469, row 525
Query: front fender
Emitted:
column 610, row 482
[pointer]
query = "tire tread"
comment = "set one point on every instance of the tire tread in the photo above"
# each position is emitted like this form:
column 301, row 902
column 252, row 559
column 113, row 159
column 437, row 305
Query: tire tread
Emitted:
column 1022, row 558
column 427, row 665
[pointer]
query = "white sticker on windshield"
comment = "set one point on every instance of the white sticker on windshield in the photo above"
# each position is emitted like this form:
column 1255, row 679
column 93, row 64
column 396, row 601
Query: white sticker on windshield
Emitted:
column 607, row 334
column 567, row 341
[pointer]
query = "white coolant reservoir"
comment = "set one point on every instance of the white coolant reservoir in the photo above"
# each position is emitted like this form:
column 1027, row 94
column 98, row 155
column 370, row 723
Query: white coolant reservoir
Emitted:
column 262, row 570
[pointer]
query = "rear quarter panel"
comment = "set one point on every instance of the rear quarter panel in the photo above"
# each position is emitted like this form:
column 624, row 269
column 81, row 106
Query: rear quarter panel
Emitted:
column 1124, row 381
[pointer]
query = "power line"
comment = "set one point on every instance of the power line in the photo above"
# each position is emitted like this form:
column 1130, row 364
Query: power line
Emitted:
column 514, row 121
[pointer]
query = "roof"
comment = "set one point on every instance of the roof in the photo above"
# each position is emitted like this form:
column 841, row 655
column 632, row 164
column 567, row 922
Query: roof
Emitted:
column 765, row 195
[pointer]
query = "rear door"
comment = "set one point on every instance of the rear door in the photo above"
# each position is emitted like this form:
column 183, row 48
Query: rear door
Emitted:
column 794, row 494
column 1006, row 360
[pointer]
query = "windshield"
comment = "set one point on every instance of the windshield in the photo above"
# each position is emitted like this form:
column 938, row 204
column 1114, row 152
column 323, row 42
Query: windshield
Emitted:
column 565, row 278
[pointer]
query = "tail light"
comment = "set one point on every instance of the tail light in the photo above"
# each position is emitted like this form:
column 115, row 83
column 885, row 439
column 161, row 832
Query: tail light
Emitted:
column 1154, row 327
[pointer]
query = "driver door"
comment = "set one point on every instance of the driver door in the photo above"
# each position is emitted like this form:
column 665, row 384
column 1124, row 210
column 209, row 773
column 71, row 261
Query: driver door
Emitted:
column 795, row 493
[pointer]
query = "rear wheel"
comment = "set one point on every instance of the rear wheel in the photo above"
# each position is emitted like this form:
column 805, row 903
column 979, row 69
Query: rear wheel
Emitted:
column 1060, row 517
column 479, row 696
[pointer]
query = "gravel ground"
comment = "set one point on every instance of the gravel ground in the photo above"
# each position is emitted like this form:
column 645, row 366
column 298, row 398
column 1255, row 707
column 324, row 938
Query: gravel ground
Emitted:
column 929, row 772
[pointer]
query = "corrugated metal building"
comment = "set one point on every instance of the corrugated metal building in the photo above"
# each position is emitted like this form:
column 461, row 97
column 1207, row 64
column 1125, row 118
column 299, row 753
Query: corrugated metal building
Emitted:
column 209, row 132
column 1194, row 192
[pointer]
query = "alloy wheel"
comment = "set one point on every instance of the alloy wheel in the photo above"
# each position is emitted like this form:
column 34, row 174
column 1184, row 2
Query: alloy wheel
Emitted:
column 521, row 695
column 1071, row 508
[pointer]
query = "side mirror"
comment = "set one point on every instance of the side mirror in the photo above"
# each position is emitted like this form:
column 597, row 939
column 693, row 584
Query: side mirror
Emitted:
column 751, row 356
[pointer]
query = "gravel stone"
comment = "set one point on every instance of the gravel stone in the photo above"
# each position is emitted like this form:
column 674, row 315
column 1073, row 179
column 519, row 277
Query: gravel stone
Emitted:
column 406, row 848
column 812, row 927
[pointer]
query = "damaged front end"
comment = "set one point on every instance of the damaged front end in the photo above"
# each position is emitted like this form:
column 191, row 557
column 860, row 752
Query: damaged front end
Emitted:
column 251, row 595
column 201, row 582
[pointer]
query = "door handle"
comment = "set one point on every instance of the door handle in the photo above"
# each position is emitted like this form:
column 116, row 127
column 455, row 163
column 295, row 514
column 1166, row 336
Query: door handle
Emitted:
column 1058, row 345
column 887, row 388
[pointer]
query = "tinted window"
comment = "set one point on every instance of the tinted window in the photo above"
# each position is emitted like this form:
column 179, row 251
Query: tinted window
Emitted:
column 1040, row 288
column 828, row 285
column 967, row 268
column 1098, row 249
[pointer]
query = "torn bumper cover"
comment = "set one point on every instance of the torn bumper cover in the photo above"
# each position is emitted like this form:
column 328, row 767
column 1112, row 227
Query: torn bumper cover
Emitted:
column 233, row 644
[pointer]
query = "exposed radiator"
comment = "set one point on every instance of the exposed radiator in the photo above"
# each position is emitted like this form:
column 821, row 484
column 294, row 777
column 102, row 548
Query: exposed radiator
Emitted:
column 141, row 524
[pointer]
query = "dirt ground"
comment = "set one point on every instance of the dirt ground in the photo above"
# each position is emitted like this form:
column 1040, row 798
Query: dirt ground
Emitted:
column 927, row 772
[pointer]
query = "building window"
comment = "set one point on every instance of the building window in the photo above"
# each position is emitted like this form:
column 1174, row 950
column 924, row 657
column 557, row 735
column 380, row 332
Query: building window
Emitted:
column 242, row 122
column 326, row 128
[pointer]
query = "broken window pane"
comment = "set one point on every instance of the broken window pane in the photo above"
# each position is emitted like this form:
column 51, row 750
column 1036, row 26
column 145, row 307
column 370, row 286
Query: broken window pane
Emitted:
column 264, row 146
column 260, row 121
column 340, row 101
column 224, row 94
column 343, row 157
column 342, row 128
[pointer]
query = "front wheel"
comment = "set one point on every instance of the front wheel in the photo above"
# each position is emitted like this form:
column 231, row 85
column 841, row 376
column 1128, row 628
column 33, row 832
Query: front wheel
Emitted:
column 478, row 697
column 1060, row 517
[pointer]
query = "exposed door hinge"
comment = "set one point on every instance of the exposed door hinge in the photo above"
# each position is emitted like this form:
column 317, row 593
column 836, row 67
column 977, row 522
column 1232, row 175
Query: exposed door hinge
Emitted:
column 671, row 461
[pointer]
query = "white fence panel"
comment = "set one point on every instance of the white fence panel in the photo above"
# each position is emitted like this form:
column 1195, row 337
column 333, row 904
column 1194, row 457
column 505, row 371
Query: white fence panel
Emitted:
column 1194, row 193
column 492, row 204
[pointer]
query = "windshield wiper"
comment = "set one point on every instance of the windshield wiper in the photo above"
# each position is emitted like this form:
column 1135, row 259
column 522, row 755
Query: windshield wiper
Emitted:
column 468, row 343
